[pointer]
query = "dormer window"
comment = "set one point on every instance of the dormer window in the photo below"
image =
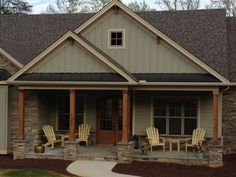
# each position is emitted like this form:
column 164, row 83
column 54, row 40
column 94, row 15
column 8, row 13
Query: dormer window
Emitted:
column 116, row 39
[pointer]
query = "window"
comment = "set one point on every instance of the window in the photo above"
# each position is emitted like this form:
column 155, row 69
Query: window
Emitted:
column 116, row 39
column 64, row 112
column 175, row 116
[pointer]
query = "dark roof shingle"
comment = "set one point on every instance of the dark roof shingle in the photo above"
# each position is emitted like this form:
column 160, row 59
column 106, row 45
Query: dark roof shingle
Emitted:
column 231, row 26
column 4, row 75
column 92, row 77
column 201, row 32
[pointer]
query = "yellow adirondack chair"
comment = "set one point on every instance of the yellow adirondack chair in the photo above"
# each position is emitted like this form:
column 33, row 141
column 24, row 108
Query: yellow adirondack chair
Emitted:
column 197, row 138
column 51, row 136
column 83, row 133
column 154, row 138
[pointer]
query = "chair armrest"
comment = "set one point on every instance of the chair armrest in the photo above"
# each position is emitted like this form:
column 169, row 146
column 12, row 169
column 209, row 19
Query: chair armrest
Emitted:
column 187, row 139
column 61, row 136
column 149, row 140
column 163, row 139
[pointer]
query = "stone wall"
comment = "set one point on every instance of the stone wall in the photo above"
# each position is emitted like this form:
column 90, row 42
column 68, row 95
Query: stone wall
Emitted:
column 6, row 64
column 229, row 120
column 32, row 122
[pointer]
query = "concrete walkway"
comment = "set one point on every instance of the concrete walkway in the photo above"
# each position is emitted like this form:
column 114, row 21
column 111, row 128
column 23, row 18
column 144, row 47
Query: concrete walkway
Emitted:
column 85, row 168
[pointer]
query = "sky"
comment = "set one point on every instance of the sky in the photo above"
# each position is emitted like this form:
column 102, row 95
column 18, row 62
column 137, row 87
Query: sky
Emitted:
column 40, row 5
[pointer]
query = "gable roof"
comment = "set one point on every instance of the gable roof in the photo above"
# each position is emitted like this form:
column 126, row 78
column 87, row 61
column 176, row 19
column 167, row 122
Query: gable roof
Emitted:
column 190, row 29
column 111, row 64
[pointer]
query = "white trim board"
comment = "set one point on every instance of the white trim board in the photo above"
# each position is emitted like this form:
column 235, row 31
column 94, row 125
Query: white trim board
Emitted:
column 11, row 58
column 154, row 30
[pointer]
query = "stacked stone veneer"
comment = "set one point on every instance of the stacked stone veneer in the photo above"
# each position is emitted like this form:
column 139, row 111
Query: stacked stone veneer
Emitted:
column 20, row 149
column 125, row 152
column 229, row 120
column 33, row 124
column 70, row 151
column 215, row 155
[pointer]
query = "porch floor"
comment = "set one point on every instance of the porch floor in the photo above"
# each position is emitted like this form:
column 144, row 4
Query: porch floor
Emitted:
column 94, row 152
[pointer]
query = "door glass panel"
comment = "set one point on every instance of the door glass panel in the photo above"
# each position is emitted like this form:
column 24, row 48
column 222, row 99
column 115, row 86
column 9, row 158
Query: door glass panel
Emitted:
column 106, row 122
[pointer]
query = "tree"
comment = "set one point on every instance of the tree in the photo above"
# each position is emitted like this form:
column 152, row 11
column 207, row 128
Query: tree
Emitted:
column 178, row 4
column 14, row 7
column 96, row 5
column 140, row 7
column 67, row 6
column 229, row 5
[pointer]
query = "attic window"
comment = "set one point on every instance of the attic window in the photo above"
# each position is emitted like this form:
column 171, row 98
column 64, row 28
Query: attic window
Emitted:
column 116, row 39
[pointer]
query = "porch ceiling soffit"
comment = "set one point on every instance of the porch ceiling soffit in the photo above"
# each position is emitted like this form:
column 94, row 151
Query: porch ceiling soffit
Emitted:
column 110, row 63
column 10, row 58
column 158, row 33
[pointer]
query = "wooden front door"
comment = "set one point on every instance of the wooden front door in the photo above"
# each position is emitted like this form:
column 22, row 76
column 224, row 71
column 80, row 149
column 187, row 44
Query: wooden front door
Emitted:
column 109, row 121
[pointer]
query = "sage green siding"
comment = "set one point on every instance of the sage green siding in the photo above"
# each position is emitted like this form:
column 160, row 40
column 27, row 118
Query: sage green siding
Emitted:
column 71, row 59
column 141, row 54
column 143, row 116
column 3, row 119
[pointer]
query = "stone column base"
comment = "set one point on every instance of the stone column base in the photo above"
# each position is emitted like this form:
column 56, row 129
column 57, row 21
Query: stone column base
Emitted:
column 216, row 155
column 70, row 150
column 125, row 152
column 19, row 151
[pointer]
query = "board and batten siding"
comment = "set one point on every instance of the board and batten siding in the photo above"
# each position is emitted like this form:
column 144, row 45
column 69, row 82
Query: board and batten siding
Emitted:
column 4, row 120
column 70, row 59
column 144, row 117
column 141, row 54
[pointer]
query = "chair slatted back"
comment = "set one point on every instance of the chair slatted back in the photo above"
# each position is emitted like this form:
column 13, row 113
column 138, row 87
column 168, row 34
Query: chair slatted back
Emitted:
column 153, row 134
column 198, row 135
column 49, row 133
column 84, row 130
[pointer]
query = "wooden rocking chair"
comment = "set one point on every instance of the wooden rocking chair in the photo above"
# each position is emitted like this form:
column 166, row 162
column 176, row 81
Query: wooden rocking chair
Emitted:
column 154, row 138
column 83, row 133
column 197, row 138
column 51, row 136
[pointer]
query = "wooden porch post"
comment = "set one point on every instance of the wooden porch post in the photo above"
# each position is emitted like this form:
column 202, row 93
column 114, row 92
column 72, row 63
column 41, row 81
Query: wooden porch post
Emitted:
column 21, row 133
column 72, row 114
column 216, row 114
column 125, row 128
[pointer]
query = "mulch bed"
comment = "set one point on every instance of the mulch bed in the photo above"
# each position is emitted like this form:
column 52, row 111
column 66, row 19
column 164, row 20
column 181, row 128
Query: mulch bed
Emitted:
column 154, row 169
column 58, row 166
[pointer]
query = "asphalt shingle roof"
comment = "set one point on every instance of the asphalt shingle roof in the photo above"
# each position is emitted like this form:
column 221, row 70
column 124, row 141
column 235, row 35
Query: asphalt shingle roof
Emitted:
column 231, row 26
column 4, row 75
column 201, row 32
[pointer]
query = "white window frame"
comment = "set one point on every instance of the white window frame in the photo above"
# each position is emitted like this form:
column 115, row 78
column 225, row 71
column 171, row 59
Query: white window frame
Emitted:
column 175, row 97
column 109, row 46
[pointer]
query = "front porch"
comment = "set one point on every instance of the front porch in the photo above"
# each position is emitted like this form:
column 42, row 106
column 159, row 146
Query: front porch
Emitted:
column 109, row 153
column 125, row 112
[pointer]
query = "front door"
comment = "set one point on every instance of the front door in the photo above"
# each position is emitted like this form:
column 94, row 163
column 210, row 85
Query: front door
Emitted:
column 109, row 121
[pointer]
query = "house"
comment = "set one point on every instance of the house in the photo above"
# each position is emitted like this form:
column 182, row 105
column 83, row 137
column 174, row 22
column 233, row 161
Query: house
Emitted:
column 119, row 71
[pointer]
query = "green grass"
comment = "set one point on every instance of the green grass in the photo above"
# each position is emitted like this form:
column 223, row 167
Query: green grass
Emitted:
column 28, row 173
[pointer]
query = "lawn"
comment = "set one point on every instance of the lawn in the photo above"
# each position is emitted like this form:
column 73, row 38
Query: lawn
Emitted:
column 34, row 172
